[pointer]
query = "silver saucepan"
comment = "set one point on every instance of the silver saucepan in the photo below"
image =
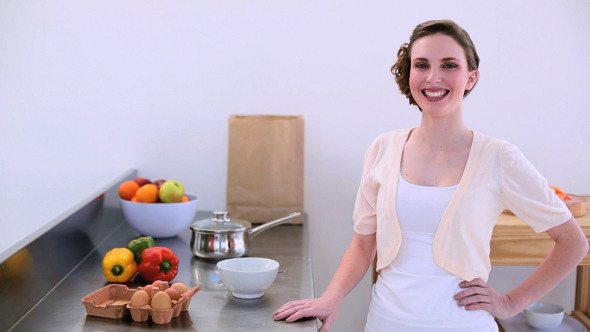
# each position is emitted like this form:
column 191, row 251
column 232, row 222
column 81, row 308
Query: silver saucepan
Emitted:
column 220, row 238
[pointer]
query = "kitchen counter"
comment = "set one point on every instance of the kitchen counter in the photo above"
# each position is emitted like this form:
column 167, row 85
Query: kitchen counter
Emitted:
column 211, row 309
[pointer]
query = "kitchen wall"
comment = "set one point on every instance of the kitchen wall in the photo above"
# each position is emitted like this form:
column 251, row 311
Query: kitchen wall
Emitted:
column 91, row 89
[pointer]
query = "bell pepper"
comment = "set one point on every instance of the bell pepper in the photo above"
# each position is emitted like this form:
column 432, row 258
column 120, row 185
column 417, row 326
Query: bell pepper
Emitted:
column 118, row 265
column 158, row 263
column 138, row 245
column 18, row 265
column 563, row 196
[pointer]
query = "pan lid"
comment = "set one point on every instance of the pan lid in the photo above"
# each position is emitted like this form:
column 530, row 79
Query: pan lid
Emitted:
column 221, row 223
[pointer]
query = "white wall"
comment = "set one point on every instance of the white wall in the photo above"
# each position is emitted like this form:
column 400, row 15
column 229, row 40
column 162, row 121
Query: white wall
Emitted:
column 91, row 89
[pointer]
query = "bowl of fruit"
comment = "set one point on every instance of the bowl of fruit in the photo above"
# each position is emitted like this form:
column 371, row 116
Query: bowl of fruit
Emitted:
column 158, row 209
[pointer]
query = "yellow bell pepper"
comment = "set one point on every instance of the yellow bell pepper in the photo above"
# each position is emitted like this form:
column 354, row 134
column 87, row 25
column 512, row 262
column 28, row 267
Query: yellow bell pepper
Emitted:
column 18, row 265
column 118, row 265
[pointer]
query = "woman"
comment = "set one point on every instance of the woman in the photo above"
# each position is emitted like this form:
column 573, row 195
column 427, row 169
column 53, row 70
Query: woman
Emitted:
column 427, row 204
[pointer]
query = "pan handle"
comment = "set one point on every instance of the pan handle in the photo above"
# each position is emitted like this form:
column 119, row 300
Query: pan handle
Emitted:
column 258, row 229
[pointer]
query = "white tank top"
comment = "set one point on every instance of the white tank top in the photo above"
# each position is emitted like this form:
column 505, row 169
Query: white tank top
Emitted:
column 414, row 293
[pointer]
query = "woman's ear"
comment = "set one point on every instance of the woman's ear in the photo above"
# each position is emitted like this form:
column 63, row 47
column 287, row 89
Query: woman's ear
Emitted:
column 473, row 76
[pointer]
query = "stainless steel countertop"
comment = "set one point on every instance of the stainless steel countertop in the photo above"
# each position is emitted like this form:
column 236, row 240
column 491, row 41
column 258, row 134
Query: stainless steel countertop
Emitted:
column 212, row 309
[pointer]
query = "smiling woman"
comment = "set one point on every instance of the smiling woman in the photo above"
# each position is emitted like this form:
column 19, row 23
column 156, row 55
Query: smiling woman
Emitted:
column 91, row 89
column 427, row 204
column 402, row 67
column 436, row 81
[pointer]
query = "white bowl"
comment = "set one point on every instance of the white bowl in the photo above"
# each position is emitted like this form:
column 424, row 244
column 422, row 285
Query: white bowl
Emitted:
column 544, row 315
column 248, row 277
column 160, row 220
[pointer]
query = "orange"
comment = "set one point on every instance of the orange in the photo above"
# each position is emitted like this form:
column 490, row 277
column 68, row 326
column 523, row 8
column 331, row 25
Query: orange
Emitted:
column 127, row 189
column 184, row 199
column 148, row 193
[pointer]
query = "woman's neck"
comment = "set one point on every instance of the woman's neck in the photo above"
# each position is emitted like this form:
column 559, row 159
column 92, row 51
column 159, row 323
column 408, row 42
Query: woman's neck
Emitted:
column 443, row 133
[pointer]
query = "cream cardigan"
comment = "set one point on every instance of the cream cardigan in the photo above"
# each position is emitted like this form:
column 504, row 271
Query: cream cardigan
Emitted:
column 497, row 176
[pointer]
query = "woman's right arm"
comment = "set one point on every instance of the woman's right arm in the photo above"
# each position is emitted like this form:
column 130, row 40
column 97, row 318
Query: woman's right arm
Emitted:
column 353, row 266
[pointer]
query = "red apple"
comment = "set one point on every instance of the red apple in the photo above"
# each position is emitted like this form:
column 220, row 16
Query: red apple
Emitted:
column 159, row 183
column 141, row 181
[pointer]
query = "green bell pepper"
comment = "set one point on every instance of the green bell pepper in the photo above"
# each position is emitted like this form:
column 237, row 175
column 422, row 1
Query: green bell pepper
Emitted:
column 138, row 245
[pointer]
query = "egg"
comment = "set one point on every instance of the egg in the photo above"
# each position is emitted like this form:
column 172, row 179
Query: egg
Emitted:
column 173, row 293
column 149, row 289
column 139, row 299
column 159, row 284
column 161, row 301
column 180, row 287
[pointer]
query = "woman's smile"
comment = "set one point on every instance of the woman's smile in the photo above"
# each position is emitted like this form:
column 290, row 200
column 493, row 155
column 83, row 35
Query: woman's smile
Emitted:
column 435, row 94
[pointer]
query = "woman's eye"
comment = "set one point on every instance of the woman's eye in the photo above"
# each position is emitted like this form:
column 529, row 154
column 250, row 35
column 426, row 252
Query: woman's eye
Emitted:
column 421, row 65
column 449, row 66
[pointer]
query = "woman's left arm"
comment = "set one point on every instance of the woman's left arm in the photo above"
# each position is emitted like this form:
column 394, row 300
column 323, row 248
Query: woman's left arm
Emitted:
column 571, row 246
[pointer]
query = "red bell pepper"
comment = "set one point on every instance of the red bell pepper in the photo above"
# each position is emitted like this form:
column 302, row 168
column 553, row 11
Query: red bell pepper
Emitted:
column 158, row 263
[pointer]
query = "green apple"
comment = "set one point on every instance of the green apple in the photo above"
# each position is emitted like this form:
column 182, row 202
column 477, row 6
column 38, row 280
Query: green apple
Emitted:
column 171, row 191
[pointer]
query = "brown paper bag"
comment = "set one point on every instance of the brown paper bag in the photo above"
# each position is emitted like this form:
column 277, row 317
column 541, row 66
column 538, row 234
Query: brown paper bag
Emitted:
column 265, row 167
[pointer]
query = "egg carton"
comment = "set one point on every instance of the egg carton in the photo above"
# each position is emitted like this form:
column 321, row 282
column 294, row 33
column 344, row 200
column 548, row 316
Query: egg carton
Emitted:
column 112, row 301
column 161, row 316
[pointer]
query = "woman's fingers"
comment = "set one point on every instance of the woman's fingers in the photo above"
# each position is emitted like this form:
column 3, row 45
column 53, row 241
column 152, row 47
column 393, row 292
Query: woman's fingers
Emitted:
column 476, row 292
column 470, row 292
column 478, row 295
column 477, row 282
column 287, row 306
column 478, row 306
column 291, row 311
column 322, row 309
column 300, row 312
column 474, row 299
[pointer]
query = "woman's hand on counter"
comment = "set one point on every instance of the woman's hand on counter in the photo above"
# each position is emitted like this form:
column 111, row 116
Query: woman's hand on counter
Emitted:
column 353, row 266
column 323, row 308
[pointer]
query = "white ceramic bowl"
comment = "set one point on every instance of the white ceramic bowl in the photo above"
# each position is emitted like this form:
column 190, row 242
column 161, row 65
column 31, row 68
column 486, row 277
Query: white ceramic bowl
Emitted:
column 160, row 220
column 544, row 315
column 248, row 277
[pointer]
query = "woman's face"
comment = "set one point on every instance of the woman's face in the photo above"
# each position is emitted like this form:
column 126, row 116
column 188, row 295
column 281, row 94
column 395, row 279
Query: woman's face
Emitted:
column 439, row 74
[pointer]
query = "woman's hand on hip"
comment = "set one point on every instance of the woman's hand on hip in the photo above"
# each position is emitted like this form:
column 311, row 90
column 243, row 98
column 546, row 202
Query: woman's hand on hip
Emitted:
column 478, row 295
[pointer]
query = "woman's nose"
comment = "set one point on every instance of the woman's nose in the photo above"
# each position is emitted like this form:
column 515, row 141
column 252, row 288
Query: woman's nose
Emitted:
column 433, row 76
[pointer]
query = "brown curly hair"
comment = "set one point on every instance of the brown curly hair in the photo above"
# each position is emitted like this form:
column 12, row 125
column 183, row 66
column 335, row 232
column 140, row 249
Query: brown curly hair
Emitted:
column 401, row 68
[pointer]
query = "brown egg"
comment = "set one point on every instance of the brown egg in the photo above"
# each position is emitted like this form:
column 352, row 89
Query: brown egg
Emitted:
column 159, row 284
column 180, row 287
column 161, row 301
column 149, row 289
column 139, row 299
column 173, row 293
